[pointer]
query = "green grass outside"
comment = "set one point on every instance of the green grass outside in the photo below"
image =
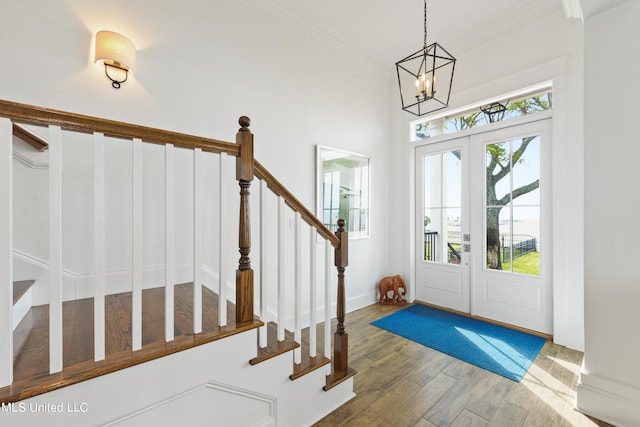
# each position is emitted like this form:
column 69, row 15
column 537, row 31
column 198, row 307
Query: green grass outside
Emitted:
column 526, row 264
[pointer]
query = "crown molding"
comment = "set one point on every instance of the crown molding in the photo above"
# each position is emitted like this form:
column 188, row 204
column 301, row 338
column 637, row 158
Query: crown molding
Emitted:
column 594, row 7
column 572, row 9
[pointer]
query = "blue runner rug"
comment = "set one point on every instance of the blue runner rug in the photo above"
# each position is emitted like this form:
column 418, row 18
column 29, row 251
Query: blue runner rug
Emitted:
column 497, row 349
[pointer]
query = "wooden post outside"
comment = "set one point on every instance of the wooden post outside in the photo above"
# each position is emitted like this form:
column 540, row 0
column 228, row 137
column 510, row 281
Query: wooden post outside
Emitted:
column 244, row 175
column 340, row 362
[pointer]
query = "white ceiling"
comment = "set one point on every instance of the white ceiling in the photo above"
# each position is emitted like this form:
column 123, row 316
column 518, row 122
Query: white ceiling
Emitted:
column 384, row 31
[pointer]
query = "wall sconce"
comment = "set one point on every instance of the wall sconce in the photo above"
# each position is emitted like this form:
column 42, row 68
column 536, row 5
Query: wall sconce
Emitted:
column 118, row 54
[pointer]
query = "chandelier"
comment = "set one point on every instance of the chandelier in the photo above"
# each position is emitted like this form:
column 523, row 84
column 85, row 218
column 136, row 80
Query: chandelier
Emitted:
column 425, row 77
column 495, row 111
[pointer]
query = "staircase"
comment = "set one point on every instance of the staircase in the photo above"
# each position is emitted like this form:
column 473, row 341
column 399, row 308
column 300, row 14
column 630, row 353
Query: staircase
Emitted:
column 100, row 350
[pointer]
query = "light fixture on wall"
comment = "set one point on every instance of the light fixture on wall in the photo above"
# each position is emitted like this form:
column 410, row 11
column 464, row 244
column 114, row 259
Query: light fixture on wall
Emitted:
column 118, row 54
column 425, row 77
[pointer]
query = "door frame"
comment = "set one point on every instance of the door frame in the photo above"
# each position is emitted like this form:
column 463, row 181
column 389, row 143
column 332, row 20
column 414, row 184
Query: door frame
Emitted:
column 412, row 188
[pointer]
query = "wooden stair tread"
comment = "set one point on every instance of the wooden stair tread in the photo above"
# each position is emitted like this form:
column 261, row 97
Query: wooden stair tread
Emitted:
column 31, row 338
column 308, row 364
column 274, row 347
column 20, row 288
column 334, row 380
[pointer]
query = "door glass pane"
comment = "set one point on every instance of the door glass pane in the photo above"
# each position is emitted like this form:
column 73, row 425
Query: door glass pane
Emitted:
column 442, row 207
column 433, row 181
column 497, row 227
column 498, row 160
column 526, row 170
column 525, row 241
column 512, row 201
column 453, row 170
column 453, row 237
column 430, row 235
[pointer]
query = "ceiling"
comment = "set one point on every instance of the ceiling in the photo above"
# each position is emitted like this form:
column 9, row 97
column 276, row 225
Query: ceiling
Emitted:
column 384, row 31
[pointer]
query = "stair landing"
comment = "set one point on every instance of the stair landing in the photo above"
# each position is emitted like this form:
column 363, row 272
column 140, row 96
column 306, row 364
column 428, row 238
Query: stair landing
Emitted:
column 31, row 338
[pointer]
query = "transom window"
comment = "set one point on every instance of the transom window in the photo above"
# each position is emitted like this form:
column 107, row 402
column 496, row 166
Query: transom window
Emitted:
column 501, row 109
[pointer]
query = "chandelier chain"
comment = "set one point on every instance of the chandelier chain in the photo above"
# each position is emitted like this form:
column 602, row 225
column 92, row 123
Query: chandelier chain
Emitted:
column 425, row 24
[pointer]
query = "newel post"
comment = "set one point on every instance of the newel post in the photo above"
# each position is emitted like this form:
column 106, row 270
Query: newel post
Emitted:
column 340, row 370
column 244, row 175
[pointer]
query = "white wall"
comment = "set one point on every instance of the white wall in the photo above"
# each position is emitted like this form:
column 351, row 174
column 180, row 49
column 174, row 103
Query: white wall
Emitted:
column 548, row 49
column 609, row 386
column 198, row 69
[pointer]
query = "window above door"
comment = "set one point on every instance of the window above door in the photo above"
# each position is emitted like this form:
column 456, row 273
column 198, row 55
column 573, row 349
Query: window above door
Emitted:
column 517, row 104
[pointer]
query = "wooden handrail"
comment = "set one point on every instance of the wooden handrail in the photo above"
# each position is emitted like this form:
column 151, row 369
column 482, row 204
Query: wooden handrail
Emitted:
column 28, row 114
column 262, row 173
column 31, row 138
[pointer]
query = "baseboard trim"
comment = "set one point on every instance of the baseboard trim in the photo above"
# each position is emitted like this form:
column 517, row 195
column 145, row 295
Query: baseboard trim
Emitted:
column 608, row 400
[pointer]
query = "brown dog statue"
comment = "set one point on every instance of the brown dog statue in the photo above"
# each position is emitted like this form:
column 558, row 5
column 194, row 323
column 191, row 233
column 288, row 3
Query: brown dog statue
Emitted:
column 392, row 283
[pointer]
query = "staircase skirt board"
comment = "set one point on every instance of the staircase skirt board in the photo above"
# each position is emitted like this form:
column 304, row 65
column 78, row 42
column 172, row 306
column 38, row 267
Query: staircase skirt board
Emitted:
column 155, row 392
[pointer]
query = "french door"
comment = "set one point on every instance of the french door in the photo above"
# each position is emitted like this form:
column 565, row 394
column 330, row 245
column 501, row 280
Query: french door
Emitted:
column 483, row 224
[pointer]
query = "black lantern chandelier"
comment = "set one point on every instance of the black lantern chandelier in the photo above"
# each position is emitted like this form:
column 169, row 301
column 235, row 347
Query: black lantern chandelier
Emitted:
column 425, row 77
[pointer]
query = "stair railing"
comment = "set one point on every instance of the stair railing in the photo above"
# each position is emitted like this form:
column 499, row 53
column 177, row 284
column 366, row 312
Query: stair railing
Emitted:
column 339, row 241
column 246, row 169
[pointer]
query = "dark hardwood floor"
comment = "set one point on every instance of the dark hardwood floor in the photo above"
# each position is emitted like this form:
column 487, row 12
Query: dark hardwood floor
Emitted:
column 402, row 383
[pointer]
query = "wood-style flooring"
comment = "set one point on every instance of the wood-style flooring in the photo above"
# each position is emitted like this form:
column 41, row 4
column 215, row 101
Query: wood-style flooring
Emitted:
column 31, row 338
column 403, row 383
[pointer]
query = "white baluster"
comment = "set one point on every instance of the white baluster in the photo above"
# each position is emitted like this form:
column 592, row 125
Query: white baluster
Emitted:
column 6, row 249
column 222, row 250
column 99, row 271
column 55, row 249
column 313, row 284
column 136, row 296
column 297, row 330
column 264, row 312
column 169, row 267
column 281, row 267
column 198, row 230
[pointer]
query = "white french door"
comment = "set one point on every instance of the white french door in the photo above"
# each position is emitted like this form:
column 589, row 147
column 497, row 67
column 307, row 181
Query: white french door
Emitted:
column 442, row 222
column 483, row 228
